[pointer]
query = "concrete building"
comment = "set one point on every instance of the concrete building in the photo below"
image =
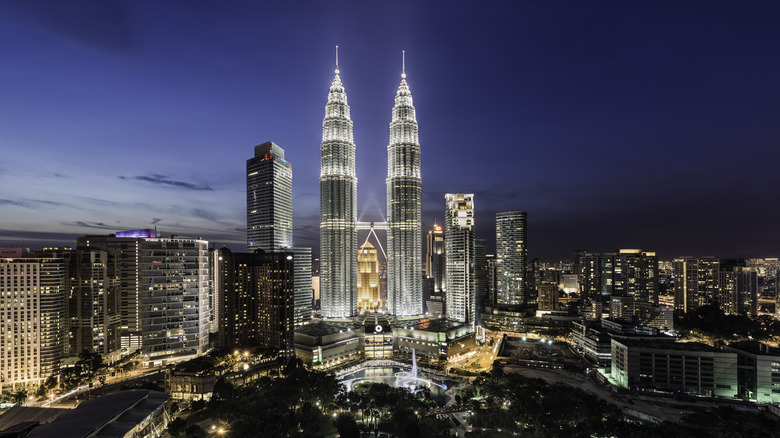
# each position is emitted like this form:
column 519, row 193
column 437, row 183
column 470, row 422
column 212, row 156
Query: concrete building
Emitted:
column 460, row 301
column 511, row 258
column 257, row 302
column 368, row 279
column 269, row 199
column 32, row 319
column 758, row 371
column 163, row 293
column 404, row 208
column 684, row 367
column 435, row 267
column 697, row 282
column 338, row 207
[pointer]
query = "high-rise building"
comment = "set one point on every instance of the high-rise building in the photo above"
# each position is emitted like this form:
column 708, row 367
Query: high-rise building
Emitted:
column 738, row 292
column 480, row 279
column 32, row 319
column 338, row 207
column 629, row 272
column 93, row 302
column 269, row 218
column 163, row 292
column 460, row 302
column 368, row 279
column 511, row 257
column 268, row 199
column 434, row 258
column 696, row 282
column 404, row 200
column 257, row 303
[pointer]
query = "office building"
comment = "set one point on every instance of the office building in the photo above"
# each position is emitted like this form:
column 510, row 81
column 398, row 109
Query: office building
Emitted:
column 404, row 208
column 460, row 301
column 434, row 259
column 338, row 207
column 368, row 279
column 511, row 258
column 685, row 367
column 32, row 319
column 163, row 292
column 268, row 199
column 696, row 282
column 93, row 302
column 626, row 273
column 758, row 371
column 738, row 291
column 257, row 299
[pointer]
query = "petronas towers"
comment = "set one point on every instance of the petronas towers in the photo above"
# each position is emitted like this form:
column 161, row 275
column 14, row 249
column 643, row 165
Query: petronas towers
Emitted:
column 338, row 208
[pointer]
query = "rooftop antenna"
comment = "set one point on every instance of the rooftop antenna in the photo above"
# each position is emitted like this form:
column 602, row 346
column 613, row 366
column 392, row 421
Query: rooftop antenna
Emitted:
column 337, row 59
column 403, row 64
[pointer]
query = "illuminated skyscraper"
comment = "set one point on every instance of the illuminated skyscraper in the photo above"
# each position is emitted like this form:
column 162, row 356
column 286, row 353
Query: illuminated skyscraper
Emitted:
column 404, row 193
column 434, row 261
column 368, row 279
column 459, row 240
column 511, row 256
column 32, row 319
column 268, row 199
column 697, row 282
column 163, row 291
column 338, row 207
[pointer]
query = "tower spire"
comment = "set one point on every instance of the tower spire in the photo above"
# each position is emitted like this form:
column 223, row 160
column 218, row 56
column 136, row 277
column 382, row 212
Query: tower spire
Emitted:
column 403, row 64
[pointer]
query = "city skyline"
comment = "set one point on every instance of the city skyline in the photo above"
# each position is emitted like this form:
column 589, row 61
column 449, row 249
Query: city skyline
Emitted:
column 613, row 126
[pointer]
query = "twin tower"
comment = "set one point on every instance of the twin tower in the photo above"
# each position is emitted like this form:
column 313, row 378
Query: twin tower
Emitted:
column 338, row 208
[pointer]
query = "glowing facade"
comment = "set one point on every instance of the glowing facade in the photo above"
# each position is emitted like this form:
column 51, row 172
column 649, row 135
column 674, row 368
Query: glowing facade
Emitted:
column 404, row 193
column 459, row 241
column 268, row 199
column 338, row 207
column 368, row 279
column 511, row 256
column 434, row 261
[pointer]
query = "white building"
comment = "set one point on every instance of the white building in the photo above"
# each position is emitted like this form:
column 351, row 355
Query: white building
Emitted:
column 404, row 200
column 338, row 207
column 32, row 319
column 460, row 299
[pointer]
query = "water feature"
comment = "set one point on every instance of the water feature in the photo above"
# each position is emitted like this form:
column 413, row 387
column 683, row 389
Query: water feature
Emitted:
column 397, row 377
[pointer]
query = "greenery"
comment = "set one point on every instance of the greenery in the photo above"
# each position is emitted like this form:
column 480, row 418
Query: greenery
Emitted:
column 303, row 403
column 528, row 407
column 710, row 322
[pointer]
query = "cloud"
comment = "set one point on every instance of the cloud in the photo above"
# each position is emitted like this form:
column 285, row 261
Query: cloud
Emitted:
column 34, row 204
column 164, row 180
column 97, row 25
column 87, row 224
column 205, row 214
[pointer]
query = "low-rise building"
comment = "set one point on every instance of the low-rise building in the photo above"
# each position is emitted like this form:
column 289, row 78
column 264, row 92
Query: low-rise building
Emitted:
column 758, row 371
column 686, row 367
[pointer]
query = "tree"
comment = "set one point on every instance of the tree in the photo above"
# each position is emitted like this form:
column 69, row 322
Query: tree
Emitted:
column 347, row 426
column 177, row 427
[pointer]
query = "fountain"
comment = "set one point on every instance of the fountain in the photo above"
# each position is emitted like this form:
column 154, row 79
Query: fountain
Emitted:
column 409, row 380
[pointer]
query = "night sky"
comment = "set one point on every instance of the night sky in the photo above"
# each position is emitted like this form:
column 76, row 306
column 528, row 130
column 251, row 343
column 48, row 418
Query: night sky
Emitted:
column 651, row 125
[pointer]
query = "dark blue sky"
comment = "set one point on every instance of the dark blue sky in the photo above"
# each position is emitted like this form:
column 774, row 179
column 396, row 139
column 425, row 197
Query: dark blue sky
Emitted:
column 613, row 124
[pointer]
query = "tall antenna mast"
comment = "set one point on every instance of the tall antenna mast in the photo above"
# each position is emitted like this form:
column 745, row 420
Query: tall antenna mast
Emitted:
column 337, row 59
column 403, row 64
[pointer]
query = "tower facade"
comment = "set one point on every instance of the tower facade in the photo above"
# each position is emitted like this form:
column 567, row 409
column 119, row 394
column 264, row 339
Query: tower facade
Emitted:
column 434, row 260
column 511, row 257
column 459, row 241
column 338, row 207
column 404, row 195
column 368, row 279
column 268, row 199
column 32, row 319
